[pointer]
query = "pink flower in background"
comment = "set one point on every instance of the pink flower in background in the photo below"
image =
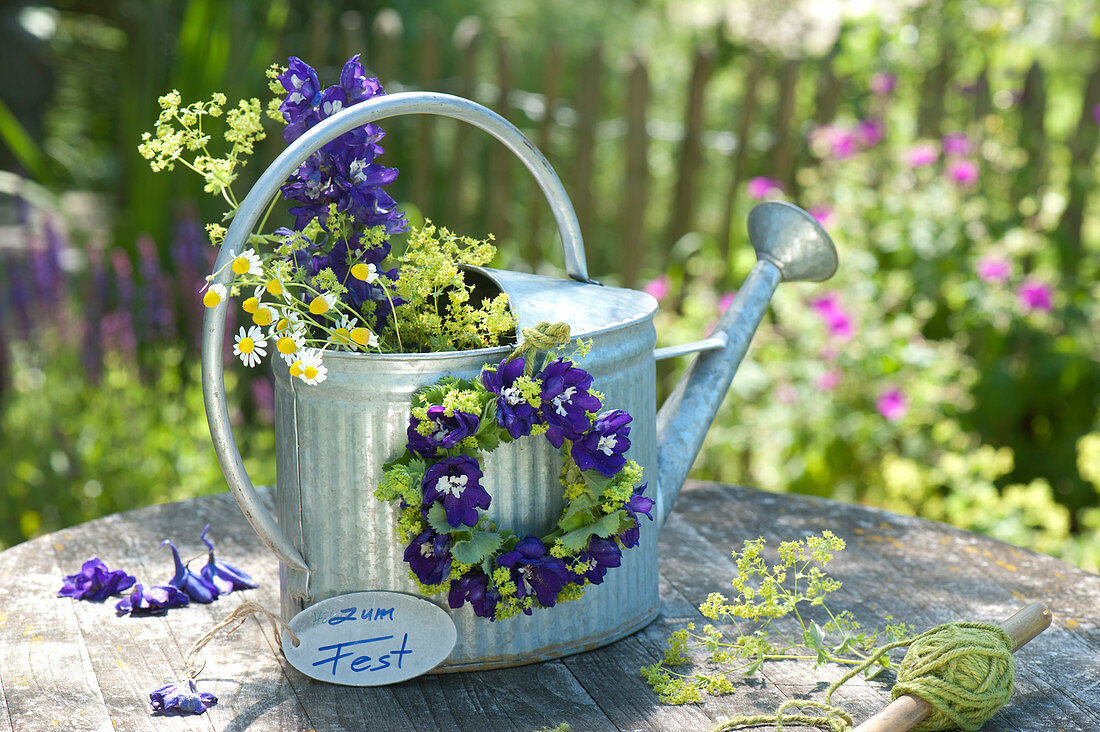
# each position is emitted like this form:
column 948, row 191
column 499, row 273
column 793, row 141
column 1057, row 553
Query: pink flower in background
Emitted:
column 761, row 187
column 829, row 309
column 957, row 143
column 962, row 172
column 883, row 83
column 828, row 380
column 658, row 287
column 1096, row 114
column 726, row 300
column 823, row 214
column 892, row 404
column 870, row 132
column 922, row 154
column 786, row 394
column 1035, row 295
column 994, row 268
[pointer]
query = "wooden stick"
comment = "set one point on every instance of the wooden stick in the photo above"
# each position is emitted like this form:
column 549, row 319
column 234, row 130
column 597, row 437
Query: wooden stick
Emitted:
column 907, row 710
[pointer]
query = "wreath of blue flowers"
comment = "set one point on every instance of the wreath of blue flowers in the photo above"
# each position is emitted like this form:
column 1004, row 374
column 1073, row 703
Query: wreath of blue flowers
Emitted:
column 451, row 545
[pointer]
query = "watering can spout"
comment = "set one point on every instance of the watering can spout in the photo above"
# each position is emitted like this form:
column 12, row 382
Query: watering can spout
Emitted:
column 790, row 246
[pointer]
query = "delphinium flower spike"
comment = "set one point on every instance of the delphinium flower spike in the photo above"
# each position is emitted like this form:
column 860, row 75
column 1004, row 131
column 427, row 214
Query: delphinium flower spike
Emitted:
column 222, row 575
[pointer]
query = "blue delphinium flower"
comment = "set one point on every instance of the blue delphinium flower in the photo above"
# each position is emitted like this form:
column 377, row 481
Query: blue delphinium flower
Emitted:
column 222, row 575
column 454, row 481
column 153, row 601
column 181, row 698
column 514, row 412
column 95, row 582
column 429, row 557
column 602, row 448
column 592, row 563
column 195, row 586
column 533, row 570
column 566, row 401
column 475, row 587
column 447, row 431
column 636, row 504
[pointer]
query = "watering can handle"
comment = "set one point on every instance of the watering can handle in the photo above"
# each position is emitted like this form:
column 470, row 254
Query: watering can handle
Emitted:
column 253, row 207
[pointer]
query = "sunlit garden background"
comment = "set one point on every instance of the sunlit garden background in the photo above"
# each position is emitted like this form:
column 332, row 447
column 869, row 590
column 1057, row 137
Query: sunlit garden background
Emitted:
column 949, row 370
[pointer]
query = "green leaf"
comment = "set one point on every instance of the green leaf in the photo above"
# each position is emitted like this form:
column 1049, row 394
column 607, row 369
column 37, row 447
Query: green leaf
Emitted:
column 606, row 526
column 437, row 519
column 595, row 480
column 480, row 545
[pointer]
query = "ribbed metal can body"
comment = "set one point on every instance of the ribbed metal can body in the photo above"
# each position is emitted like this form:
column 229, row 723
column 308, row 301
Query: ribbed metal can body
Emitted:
column 332, row 440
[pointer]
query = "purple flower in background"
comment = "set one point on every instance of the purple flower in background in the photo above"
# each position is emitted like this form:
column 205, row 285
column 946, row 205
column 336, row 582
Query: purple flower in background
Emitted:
column 883, row 83
column 592, row 563
column 475, row 587
column 963, row 172
column 1035, row 295
column 533, row 570
column 870, row 131
column 1096, row 113
column 566, row 401
column 602, row 448
column 828, row 380
column 95, row 582
column 823, row 214
column 761, row 187
column 957, row 143
column 181, row 698
column 454, row 480
column 153, row 601
column 892, row 404
column 636, row 504
column 447, row 431
column 514, row 412
column 658, row 287
column 922, row 155
column 994, row 268
column 193, row 585
column 222, row 575
column 832, row 313
column 429, row 557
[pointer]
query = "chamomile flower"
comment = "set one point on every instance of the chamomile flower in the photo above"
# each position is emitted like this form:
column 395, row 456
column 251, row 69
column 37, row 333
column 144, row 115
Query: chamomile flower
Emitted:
column 274, row 287
column 264, row 316
column 290, row 344
column 251, row 305
column 365, row 272
column 250, row 345
column 214, row 296
column 341, row 334
column 322, row 303
column 247, row 262
column 309, row 367
column 364, row 337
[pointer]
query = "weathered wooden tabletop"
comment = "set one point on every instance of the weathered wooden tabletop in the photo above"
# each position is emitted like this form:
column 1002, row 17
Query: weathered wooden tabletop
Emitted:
column 75, row 665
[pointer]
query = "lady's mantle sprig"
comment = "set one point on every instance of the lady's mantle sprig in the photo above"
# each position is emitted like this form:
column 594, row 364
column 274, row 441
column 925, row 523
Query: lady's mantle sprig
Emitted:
column 451, row 545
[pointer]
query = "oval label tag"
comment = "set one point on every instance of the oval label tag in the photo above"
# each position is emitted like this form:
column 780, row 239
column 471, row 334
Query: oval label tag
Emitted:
column 370, row 638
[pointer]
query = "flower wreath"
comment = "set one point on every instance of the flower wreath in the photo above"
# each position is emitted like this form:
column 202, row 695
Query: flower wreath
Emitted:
column 451, row 545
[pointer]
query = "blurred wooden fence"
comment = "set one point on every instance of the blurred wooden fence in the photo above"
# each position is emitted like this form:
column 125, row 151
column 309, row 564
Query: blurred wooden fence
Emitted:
column 632, row 216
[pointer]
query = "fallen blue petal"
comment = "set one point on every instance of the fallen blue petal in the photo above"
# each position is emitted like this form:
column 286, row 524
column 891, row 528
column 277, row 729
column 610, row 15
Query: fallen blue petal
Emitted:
column 181, row 698
column 222, row 575
column 197, row 588
column 153, row 601
column 95, row 582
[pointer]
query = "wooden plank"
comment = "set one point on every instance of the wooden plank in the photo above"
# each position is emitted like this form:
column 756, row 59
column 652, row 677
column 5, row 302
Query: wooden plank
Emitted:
column 461, row 197
column 501, row 160
column 740, row 155
column 385, row 48
column 635, row 185
column 44, row 665
column 551, row 91
column 427, row 75
column 682, row 219
column 588, row 103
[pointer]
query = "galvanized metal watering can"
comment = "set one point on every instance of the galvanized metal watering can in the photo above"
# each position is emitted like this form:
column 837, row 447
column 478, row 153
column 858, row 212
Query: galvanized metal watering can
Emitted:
column 332, row 536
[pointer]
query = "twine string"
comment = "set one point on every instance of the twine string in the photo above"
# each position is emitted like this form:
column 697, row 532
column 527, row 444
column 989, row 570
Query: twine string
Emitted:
column 230, row 623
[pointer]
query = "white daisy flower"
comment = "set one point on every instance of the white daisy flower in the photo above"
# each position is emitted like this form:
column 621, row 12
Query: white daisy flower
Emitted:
column 265, row 316
column 322, row 303
column 341, row 334
column 250, row 345
column 364, row 337
column 215, row 296
column 290, row 344
column 247, row 262
column 309, row 367
column 365, row 272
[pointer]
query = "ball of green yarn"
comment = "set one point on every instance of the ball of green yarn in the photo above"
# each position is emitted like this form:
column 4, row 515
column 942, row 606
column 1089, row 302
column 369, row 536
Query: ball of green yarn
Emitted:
column 963, row 670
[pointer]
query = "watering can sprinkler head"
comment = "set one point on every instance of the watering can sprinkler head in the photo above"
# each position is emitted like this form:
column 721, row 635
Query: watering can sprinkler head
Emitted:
column 790, row 246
